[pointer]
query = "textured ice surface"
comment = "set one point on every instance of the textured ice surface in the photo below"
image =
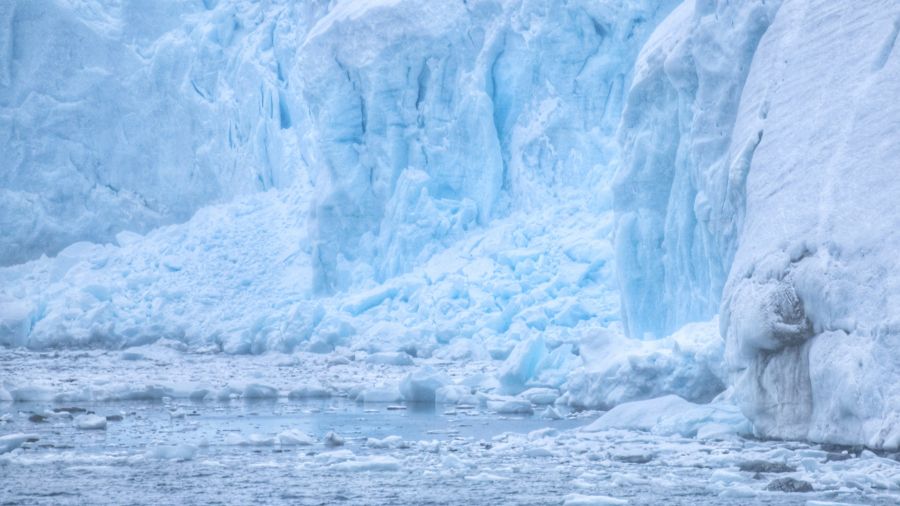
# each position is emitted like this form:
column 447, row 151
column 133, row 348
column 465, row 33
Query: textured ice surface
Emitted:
column 826, row 278
column 760, row 163
column 127, row 115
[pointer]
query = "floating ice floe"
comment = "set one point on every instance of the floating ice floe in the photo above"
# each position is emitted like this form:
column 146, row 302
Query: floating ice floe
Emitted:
column 174, row 452
column 591, row 500
column 295, row 438
column 673, row 415
column 371, row 463
column 90, row 422
column 10, row 442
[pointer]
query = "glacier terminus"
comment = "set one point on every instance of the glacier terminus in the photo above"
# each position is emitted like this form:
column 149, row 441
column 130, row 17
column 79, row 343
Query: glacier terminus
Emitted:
column 450, row 252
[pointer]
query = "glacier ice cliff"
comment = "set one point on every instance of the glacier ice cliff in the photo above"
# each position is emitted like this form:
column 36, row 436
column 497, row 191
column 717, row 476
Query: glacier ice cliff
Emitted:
column 510, row 180
column 432, row 172
column 128, row 115
column 760, row 164
column 470, row 109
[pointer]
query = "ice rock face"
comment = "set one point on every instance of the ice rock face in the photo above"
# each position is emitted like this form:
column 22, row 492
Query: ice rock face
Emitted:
column 679, row 191
column 454, row 114
column 818, row 247
column 760, row 164
column 127, row 115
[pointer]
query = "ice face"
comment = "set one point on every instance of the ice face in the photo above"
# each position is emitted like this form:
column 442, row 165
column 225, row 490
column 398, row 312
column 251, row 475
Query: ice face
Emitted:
column 463, row 113
column 820, row 225
column 390, row 132
column 678, row 193
column 202, row 102
column 755, row 172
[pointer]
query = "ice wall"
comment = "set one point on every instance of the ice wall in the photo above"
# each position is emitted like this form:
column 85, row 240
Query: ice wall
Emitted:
column 810, row 308
column 428, row 118
column 761, row 164
column 415, row 120
column 127, row 115
column 390, row 130
column 679, row 191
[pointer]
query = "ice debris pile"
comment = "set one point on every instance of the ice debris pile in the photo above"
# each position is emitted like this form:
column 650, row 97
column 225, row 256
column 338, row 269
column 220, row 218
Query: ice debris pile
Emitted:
column 513, row 182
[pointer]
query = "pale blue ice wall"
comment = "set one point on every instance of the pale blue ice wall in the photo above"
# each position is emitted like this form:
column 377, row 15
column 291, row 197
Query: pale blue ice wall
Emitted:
column 424, row 119
column 679, row 192
column 130, row 114
column 760, row 169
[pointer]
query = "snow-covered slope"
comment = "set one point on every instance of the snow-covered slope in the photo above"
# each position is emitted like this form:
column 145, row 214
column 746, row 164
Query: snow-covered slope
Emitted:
column 761, row 165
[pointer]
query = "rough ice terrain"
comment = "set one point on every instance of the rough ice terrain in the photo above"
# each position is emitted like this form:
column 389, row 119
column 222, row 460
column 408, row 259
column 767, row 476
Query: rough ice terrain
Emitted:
column 665, row 230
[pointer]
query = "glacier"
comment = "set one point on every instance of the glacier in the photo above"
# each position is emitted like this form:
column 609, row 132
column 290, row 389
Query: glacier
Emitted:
column 770, row 204
column 579, row 203
column 125, row 116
